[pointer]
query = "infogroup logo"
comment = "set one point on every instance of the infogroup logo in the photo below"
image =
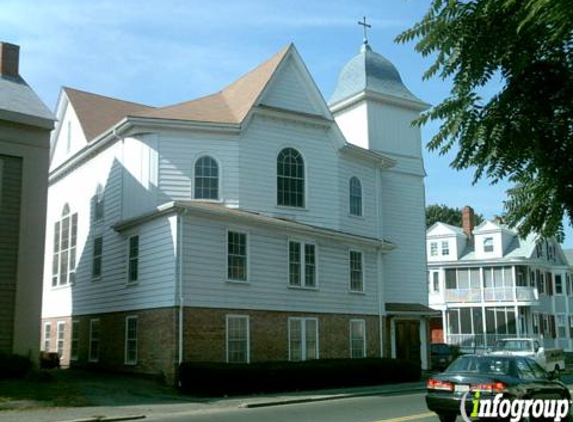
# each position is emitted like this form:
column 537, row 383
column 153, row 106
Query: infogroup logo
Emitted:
column 515, row 409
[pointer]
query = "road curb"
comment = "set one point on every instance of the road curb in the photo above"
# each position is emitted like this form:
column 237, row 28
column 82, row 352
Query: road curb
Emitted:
column 108, row 419
column 282, row 402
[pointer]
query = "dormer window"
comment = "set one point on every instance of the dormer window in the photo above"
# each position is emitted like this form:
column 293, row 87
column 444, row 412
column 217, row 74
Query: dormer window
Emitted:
column 445, row 248
column 434, row 249
column 488, row 244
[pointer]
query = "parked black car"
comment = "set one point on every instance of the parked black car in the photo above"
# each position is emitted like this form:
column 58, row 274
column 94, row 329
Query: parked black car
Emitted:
column 441, row 355
column 512, row 376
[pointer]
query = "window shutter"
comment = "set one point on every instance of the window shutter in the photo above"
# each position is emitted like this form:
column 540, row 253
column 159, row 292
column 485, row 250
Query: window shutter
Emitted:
column 549, row 278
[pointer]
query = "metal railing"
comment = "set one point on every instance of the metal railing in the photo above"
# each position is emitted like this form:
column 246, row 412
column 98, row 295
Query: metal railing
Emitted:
column 492, row 294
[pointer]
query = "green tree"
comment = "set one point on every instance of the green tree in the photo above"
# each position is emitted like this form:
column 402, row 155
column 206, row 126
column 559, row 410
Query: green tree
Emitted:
column 522, row 133
column 448, row 215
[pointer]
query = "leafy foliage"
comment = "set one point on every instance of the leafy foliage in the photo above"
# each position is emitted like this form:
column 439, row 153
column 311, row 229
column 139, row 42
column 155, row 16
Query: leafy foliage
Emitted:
column 448, row 215
column 522, row 133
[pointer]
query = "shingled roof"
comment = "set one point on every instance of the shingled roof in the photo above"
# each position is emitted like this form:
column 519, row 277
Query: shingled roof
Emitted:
column 98, row 113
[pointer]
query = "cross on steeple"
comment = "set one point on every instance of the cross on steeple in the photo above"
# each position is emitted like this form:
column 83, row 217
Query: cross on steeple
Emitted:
column 365, row 26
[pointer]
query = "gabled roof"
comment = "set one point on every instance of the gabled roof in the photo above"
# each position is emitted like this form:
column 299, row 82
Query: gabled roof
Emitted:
column 98, row 113
column 458, row 231
column 231, row 104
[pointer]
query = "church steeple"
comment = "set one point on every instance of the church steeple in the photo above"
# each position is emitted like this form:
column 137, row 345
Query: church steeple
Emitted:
column 370, row 72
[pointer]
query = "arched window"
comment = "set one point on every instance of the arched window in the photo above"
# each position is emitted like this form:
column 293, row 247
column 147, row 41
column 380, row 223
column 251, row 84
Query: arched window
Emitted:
column 355, row 191
column 98, row 203
column 64, row 257
column 206, row 178
column 290, row 178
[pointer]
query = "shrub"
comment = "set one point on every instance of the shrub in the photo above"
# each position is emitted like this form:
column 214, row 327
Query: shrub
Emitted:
column 14, row 366
column 217, row 379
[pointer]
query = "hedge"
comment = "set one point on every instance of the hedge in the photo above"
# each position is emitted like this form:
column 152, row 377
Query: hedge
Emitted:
column 14, row 366
column 218, row 379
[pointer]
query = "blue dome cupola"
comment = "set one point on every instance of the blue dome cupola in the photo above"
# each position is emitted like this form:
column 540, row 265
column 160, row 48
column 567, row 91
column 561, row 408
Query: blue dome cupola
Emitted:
column 370, row 72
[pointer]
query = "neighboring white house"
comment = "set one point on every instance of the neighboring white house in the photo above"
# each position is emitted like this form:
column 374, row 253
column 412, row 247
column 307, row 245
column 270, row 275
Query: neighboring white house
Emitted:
column 257, row 223
column 489, row 283
column 25, row 125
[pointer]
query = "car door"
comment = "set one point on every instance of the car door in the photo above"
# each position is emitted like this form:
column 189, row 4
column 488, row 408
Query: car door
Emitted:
column 543, row 387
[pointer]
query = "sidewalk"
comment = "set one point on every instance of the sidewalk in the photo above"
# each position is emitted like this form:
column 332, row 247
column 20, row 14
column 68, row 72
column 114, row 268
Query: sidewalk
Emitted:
column 135, row 412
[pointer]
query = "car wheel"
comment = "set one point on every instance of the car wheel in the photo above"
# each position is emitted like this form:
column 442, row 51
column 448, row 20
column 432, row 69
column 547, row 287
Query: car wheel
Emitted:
column 447, row 417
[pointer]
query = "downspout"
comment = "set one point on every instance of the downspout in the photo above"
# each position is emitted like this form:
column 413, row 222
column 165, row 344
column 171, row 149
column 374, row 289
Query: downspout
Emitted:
column 180, row 232
column 380, row 269
column 380, row 297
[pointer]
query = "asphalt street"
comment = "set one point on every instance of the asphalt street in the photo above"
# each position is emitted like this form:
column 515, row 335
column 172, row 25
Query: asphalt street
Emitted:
column 398, row 408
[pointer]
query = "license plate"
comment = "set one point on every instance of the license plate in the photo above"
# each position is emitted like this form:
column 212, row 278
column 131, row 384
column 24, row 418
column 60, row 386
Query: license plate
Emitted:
column 461, row 388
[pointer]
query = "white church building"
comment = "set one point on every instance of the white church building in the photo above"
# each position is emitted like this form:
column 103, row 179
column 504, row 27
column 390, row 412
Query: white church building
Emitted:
column 258, row 223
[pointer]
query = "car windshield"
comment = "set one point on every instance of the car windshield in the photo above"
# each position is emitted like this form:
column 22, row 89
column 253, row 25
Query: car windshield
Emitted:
column 489, row 365
column 512, row 346
column 440, row 349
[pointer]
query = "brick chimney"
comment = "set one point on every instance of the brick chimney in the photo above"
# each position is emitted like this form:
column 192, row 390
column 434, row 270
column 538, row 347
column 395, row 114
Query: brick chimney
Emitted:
column 9, row 59
column 468, row 219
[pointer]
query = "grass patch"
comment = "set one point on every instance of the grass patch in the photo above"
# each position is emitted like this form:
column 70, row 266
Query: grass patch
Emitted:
column 52, row 388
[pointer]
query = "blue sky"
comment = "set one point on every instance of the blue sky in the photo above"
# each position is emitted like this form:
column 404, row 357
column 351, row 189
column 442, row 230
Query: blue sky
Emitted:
column 164, row 52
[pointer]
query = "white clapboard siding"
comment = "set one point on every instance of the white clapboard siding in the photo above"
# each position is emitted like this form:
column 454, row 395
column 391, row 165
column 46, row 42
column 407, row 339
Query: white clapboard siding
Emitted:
column 366, row 225
column 156, row 285
column 178, row 154
column 391, row 130
column 206, row 285
column 140, row 162
column 263, row 140
column 68, row 124
column 404, row 225
column 289, row 91
column 108, row 293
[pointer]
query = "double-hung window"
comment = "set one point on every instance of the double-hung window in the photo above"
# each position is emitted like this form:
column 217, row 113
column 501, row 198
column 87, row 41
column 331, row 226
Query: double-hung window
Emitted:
column 356, row 271
column 302, row 264
column 558, row 284
column 303, row 338
column 75, row 343
column 445, row 248
column 97, row 257
column 47, row 336
column 133, row 260
column 236, row 256
column 433, row 249
column 238, row 339
column 61, row 338
column 131, row 340
column 94, row 340
column 357, row 338
column 488, row 244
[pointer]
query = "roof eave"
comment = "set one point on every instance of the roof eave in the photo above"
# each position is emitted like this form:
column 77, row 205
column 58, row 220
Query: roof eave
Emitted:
column 344, row 103
column 27, row 119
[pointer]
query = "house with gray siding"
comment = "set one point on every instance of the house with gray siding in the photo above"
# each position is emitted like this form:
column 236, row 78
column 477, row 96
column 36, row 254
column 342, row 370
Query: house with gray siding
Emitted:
column 25, row 125
column 257, row 223
column 489, row 283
